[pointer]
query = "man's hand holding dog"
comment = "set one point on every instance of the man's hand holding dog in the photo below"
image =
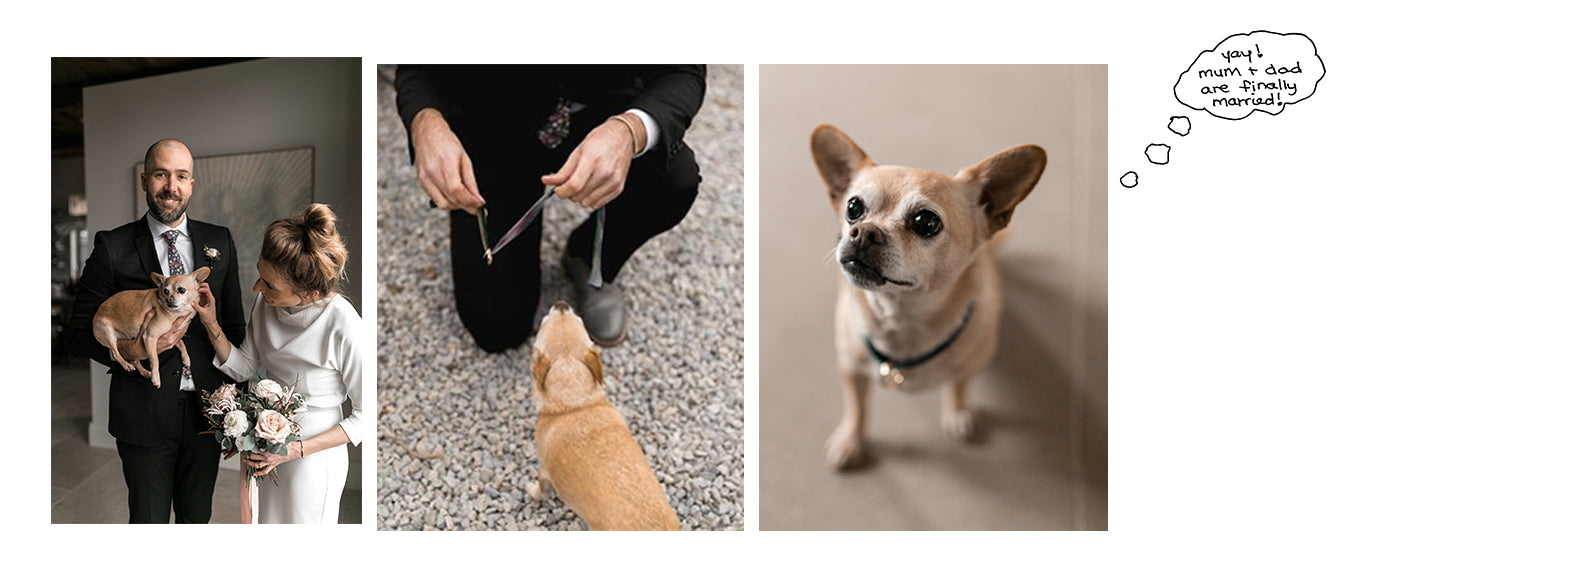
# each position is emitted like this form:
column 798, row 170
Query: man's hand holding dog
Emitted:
column 133, row 348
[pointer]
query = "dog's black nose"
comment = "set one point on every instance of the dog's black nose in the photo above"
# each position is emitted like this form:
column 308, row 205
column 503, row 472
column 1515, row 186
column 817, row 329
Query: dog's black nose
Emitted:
column 865, row 234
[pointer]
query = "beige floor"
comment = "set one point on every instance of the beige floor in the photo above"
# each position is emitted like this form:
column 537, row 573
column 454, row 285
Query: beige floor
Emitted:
column 1041, row 461
column 86, row 485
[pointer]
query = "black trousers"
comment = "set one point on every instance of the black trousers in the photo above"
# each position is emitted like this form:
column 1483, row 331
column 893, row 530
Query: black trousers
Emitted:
column 497, row 302
column 177, row 473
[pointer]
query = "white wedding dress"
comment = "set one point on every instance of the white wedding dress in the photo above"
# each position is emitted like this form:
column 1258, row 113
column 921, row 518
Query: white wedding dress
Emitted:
column 313, row 346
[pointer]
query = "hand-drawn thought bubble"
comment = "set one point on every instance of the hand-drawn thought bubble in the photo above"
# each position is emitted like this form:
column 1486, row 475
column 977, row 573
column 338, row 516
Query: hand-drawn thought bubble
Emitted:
column 1179, row 125
column 1260, row 70
column 1130, row 179
column 1158, row 153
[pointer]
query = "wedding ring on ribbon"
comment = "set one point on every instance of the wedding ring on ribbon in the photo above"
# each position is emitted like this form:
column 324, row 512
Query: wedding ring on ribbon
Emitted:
column 483, row 222
column 516, row 229
column 596, row 277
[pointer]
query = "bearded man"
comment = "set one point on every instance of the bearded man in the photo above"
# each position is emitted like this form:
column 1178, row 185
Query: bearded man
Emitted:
column 169, row 466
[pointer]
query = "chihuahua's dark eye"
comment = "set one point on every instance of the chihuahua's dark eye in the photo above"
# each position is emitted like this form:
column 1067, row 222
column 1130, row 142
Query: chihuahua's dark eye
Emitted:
column 855, row 209
column 181, row 289
column 925, row 223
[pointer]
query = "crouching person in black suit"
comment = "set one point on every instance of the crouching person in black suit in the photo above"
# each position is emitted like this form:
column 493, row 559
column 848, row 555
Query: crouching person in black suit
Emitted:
column 604, row 136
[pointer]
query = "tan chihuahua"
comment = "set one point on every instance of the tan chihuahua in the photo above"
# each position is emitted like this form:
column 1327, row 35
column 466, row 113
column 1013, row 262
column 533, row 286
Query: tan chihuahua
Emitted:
column 923, row 296
column 145, row 315
column 588, row 455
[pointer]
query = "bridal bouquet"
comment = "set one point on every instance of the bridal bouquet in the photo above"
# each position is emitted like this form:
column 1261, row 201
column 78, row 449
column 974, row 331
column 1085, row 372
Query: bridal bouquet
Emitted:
column 260, row 418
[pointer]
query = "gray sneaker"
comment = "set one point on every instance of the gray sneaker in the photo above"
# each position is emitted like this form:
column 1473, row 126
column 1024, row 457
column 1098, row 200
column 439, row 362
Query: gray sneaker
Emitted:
column 603, row 309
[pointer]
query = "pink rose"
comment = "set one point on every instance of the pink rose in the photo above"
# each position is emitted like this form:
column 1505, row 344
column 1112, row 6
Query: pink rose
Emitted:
column 272, row 426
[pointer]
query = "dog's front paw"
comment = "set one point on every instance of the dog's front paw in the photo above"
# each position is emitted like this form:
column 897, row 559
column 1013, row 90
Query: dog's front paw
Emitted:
column 535, row 491
column 541, row 489
column 845, row 449
column 959, row 424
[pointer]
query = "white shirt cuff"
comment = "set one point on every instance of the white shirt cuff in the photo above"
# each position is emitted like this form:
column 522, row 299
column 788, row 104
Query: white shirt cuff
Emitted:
column 651, row 128
column 353, row 427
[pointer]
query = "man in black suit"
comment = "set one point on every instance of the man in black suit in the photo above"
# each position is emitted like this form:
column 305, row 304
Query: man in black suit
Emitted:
column 167, row 464
column 605, row 136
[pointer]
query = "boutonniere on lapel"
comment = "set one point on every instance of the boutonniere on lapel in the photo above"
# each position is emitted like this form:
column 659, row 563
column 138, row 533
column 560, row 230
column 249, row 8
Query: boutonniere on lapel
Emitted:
column 211, row 254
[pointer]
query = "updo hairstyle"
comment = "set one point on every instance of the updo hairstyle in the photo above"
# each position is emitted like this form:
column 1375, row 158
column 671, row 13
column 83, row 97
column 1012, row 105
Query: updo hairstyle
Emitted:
column 307, row 250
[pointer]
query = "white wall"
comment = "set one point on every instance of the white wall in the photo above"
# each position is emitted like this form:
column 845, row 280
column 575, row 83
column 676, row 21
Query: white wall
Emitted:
column 247, row 107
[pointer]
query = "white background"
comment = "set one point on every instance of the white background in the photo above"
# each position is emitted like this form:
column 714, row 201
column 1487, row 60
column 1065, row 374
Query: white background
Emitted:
column 1344, row 338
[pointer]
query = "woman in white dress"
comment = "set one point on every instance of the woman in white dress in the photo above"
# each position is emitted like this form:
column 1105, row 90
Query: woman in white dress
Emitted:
column 302, row 332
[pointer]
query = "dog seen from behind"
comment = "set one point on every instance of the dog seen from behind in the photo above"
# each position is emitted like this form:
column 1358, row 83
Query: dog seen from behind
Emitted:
column 586, row 452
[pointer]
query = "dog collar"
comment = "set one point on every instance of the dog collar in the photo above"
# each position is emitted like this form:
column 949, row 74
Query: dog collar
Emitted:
column 891, row 368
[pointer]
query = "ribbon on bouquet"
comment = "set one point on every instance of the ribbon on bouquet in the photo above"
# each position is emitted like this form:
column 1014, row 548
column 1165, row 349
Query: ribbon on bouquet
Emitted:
column 248, row 494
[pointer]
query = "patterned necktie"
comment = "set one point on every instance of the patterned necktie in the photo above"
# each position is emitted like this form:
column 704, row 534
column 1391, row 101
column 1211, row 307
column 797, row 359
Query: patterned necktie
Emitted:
column 176, row 269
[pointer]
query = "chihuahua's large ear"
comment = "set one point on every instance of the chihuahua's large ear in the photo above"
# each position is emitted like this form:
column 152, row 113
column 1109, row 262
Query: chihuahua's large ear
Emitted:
column 157, row 278
column 839, row 159
column 1004, row 180
column 540, row 365
column 201, row 275
column 591, row 359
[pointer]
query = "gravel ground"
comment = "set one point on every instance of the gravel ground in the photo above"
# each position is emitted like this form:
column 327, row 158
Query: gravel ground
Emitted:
column 456, row 425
